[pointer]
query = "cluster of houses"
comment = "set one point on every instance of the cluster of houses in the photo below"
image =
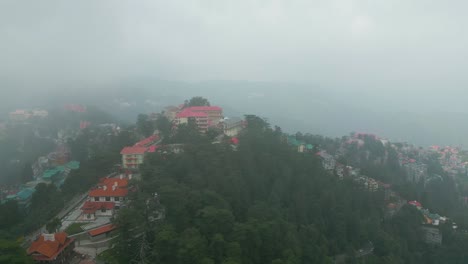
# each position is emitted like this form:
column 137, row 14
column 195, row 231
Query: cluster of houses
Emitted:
column 94, row 215
column 450, row 160
column 431, row 223
column 429, row 218
column 48, row 169
column 105, row 198
column 203, row 116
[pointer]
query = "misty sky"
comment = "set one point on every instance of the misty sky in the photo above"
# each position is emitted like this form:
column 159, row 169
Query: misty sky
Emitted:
column 387, row 48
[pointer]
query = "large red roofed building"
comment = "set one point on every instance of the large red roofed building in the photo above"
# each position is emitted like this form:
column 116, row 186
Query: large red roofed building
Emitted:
column 215, row 113
column 200, row 118
column 204, row 116
column 110, row 190
column 52, row 248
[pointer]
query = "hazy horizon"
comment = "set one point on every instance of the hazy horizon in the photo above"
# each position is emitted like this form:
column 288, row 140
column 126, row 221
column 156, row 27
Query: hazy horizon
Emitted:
column 386, row 58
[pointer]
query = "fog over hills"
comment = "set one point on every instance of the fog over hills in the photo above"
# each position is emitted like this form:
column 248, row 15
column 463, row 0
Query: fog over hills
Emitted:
column 395, row 68
column 309, row 108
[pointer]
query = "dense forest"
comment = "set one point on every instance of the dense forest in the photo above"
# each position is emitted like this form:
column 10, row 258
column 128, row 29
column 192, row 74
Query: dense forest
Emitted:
column 262, row 202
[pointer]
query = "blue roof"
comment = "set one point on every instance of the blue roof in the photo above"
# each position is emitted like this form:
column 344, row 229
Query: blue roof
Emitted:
column 25, row 193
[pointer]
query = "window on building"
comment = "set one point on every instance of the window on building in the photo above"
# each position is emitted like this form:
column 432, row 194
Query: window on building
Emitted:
column 108, row 199
column 88, row 216
column 116, row 199
column 103, row 210
column 96, row 199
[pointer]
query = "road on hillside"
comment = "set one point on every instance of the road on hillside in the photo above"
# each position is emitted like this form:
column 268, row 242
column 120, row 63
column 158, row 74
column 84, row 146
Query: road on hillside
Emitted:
column 72, row 204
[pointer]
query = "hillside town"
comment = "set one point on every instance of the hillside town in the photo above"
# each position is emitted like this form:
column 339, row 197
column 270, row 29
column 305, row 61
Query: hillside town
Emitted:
column 86, row 225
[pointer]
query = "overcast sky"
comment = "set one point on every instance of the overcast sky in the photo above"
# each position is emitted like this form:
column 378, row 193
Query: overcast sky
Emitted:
column 389, row 46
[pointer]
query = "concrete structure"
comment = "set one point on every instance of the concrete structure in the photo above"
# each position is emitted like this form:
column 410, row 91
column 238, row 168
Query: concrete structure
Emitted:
column 133, row 157
column 214, row 113
column 200, row 119
column 232, row 126
column 432, row 235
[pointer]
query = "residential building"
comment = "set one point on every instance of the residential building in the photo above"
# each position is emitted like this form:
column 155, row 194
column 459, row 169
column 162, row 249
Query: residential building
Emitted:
column 52, row 248
column 432, row 235
column 232, row 126
column 133, row 157
column 110, row 190
column 372, row 185
column 91, row 210
column 340, row 170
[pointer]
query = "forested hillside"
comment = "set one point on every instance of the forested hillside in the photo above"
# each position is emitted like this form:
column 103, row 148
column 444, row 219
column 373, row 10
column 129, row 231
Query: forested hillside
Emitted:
column 261, row 202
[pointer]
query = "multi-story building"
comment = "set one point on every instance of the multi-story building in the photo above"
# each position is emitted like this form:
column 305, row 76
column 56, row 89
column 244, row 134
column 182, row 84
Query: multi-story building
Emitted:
column 233, row 126
column 200, row 118
column 133, row 157
column 215, row 113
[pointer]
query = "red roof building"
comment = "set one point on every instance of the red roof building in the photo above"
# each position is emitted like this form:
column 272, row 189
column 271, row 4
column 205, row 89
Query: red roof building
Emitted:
column 90, row 207
column 137, row 150
column 204, row 116
column 415, row 203
column 147, row 141
column 52, row 248
column 102, row 230
column 91, row 210
column 110, row 190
